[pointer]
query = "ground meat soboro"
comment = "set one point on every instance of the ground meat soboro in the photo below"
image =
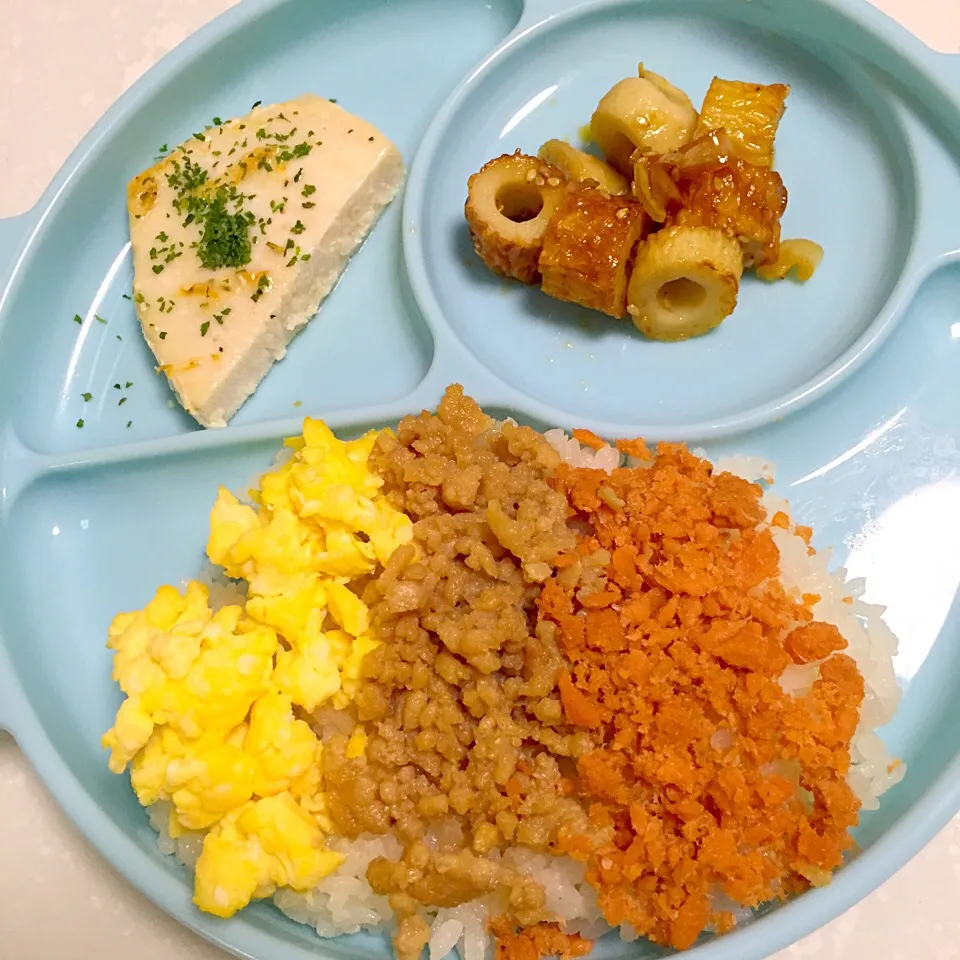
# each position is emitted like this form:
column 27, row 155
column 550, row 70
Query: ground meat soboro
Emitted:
column 466, row 729
column 713, row 779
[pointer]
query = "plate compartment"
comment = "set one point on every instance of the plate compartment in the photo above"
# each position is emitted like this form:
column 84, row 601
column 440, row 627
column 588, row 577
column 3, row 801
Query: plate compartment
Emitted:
column 41, row 486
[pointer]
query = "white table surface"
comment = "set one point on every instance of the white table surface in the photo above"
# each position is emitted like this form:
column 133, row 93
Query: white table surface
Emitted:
column 62, row 63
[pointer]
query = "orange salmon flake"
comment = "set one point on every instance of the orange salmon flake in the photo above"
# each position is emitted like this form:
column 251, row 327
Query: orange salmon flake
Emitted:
column 707, row 776
column 589, row 439
column 813, row 641
column 634, row 448
column 533, row 942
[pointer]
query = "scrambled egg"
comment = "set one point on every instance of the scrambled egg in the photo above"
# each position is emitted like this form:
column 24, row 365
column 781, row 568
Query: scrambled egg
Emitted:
column 263, row 845
column 213, row 721
column 320, row 523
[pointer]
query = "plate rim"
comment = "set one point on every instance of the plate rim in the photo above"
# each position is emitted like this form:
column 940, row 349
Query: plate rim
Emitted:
column 138, row 866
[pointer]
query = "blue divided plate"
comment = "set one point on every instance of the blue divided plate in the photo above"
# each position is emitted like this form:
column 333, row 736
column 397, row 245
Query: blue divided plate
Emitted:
column 848, row 383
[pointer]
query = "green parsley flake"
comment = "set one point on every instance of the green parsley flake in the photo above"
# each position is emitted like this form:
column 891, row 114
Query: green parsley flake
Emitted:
column 163, row 334
column 263, row 282
column 185, row 180
column 297, row 228
column 80, row 424
column 77, row 318
column 87, row 397
column 300, row 150
column 225, row 241
column 99, row 319
column 127, row 296
column 204, row 327
column 309, row 189
column 122, row 401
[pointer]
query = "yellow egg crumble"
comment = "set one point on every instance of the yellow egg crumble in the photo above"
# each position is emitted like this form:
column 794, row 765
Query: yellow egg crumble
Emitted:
column 213, row 720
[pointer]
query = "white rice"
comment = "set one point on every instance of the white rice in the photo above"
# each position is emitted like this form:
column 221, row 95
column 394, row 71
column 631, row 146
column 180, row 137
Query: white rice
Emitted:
column 576, row 455
column 463, row 929
column 754, row 469
column 569, row 896
column 186, row 848
column 870, row 642
column 343, row 903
